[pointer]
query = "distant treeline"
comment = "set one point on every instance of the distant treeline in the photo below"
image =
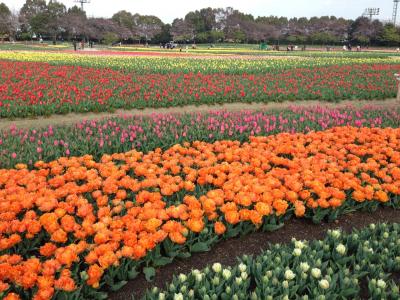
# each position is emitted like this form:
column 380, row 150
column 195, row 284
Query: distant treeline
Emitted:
column 53, row 21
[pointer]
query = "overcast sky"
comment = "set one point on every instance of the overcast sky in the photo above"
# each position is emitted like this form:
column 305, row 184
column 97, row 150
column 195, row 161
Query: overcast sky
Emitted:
column 167, row 10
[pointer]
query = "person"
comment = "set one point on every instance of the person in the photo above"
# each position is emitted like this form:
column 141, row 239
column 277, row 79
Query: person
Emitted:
column 83, row 45
column 91, row 44
column 74, row 43
column 358, row 48
column 291, row 47
column 344, row 48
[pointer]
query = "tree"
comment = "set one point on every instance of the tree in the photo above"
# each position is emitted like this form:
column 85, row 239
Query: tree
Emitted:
column 363, row 31
column 56, row 11
column 164, row 36
column 181, row 30
column 75, row 23
column 102, row 29
column 5, row 15
column 147, row 27
column 125, row 19
column 390, row 35
column 33, row 16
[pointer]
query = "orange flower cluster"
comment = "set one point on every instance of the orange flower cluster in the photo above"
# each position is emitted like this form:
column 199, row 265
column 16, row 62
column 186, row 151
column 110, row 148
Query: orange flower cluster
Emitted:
column 125, row 205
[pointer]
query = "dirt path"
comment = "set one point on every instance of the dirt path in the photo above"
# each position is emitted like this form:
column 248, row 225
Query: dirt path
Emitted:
column 74, row 118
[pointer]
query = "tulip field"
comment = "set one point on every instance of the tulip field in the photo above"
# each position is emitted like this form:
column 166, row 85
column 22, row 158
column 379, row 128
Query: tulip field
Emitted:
column 91, row 208
column 37, row 84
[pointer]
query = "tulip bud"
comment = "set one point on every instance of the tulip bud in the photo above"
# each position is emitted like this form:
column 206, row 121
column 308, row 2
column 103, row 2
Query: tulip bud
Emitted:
column 215, row 280
column 217, row 267
column 182, row 278
column 304, row 266
column 244, row 275
column 226, row 274
column 296, row 252
column 191, row 293
column 285, row 284
column 324, row 284
column 253, row 296
column 316, row 273
column 178, row 296
column 289, row 275
column 84, row 275
column 380, row 283
column 242, row 267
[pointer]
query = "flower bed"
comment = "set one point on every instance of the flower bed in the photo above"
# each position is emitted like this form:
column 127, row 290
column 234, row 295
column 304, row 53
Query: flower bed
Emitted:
column 107, row 136
column 195, row 64
column 33, row 89
column 341, row 266
column 76, row 227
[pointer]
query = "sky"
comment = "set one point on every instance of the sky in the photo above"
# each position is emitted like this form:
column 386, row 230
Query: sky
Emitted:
column 167, row 10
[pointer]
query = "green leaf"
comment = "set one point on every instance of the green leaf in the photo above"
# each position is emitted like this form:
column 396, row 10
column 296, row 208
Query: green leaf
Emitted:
column 199, row 247
column 184, row 255
column 118, row 285
column 162, row 261
column 132, row 274
column 149, row 273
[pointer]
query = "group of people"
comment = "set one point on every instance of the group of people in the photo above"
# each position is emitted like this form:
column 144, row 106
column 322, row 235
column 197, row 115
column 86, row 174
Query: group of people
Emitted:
column 81, row 45
column 289, row 48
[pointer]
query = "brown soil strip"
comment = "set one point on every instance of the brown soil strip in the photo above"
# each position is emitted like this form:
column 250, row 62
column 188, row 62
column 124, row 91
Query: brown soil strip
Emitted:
column 227, row 251
column 69, row 119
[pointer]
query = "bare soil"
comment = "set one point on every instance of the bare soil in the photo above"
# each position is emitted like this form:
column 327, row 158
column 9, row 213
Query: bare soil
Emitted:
column 69, row 119
column 227, row 251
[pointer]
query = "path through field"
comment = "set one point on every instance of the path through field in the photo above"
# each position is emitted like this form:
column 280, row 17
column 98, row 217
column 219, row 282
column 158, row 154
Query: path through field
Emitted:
column 69, row 119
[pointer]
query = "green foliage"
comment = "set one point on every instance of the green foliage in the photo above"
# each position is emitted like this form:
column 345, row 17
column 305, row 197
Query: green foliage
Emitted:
column 390, row 35
column 110, row 38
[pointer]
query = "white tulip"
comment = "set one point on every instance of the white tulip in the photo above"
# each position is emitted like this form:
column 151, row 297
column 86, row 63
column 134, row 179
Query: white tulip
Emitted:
column 226, row 274
column 341, row 249
column 217, row 267
column 380, row 283
column 289, row 275
column 324, row 284
column 178, row 296
column 161, row 296
column 316, row 273
column 304, row 266
column 182, row 277
column 297, row 252
column 242, row 267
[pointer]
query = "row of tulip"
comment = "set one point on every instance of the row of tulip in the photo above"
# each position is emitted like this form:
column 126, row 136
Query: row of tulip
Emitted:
column 160, row 64
column 341, row 266
column 122, row 134
column 33, row 89
column 75, row 227
column 251, row 50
